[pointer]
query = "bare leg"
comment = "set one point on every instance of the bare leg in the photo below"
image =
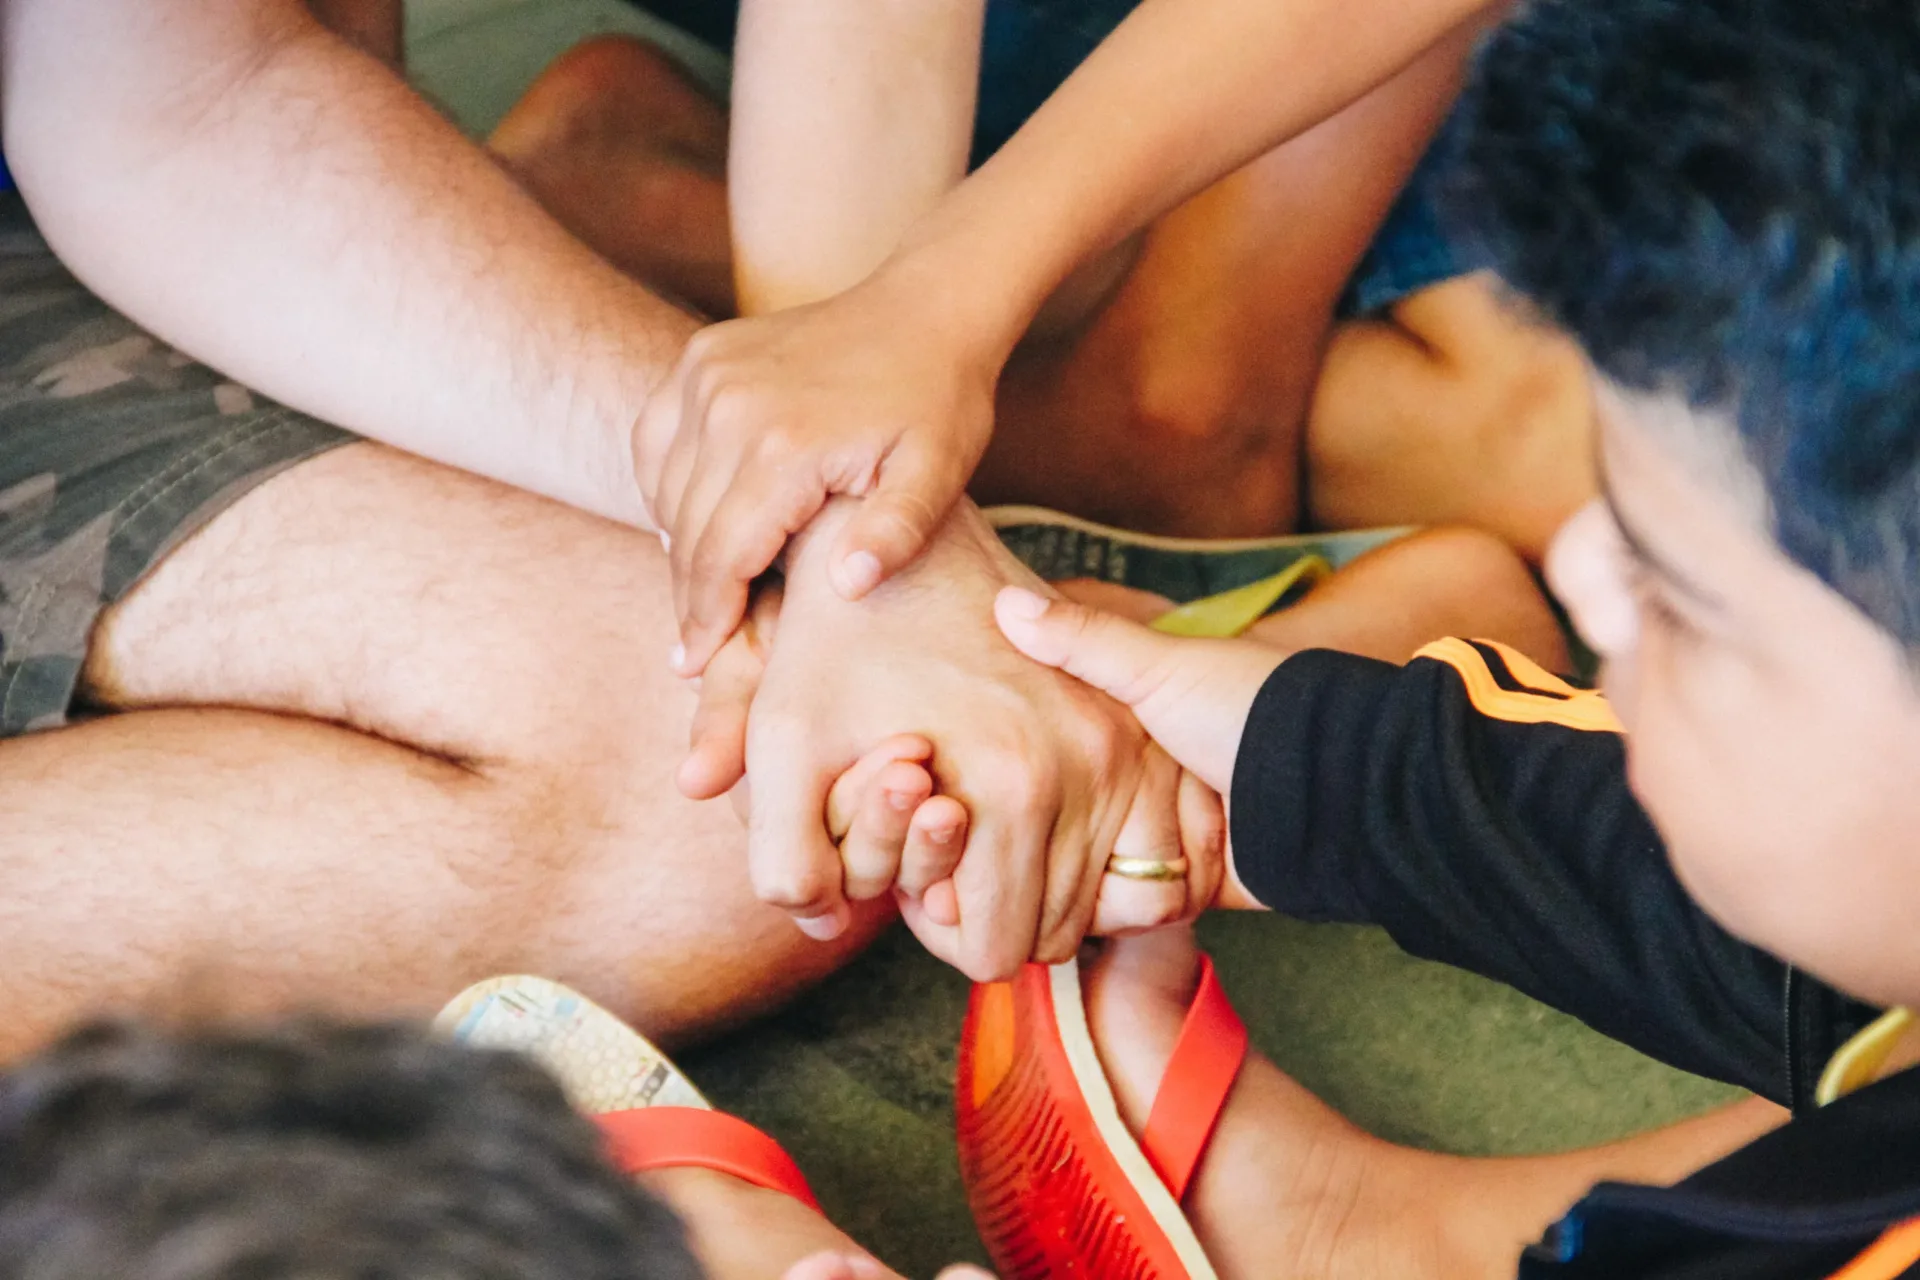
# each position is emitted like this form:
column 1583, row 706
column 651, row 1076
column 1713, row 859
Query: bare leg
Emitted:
column 1164, row 388
column 390, row 729
column 1452, row 410
column 1288, row 1187
column 630, row 155
column 1390, row 602
column 374, row 26
column 1179, row 407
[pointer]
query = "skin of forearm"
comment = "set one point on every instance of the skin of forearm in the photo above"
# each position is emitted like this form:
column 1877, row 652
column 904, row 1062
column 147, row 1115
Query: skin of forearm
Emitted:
column 1179, row 95
column 850, row 120
column 280, row 205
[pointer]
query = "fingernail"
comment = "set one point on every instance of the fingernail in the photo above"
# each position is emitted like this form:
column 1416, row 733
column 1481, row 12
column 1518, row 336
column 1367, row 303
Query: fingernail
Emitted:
column 677, row 659
column 943, row 834
column 900, row 801
column 822, row 928
column 859, row 573
column 1022, row 603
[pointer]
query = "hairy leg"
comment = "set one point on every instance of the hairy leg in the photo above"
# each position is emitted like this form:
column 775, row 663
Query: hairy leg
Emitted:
column 1391, row 601
column 374, row 26
column 385, row 729
column 1452, row 409
column 1288, row 1186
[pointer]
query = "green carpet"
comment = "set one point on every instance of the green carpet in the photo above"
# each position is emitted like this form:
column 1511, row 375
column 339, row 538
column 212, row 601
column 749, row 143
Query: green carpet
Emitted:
column 855, row 1078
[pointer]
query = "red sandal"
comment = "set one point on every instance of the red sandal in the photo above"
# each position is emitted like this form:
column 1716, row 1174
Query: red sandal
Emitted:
column 1058, row 1185
column 649, row 1138
column 650, row 1114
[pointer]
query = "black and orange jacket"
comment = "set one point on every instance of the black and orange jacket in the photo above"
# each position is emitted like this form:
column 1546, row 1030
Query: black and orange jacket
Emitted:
column 1477, row 808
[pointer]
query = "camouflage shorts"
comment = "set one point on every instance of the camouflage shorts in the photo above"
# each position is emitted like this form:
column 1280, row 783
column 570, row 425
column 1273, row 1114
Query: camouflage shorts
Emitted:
column 113, row 448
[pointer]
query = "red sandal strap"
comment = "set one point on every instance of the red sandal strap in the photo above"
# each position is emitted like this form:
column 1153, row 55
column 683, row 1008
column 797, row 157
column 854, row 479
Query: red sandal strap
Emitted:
column 682, row 1137
column 1193, row 1092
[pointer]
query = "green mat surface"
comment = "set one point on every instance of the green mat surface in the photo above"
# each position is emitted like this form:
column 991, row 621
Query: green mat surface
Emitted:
column 856, row 1078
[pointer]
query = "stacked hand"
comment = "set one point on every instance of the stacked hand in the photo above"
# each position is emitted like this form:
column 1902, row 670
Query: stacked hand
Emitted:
column 771, row 416
column 1039, row 777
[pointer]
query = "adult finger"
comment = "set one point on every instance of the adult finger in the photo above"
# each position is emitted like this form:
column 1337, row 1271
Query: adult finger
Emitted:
column 918, row 485
column 1000, row 883
column 1149, row 838
column 793, row 862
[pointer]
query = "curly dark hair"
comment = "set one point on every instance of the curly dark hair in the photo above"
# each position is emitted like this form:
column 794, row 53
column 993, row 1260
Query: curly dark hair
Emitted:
column 1721, row 198
column 309, row 1152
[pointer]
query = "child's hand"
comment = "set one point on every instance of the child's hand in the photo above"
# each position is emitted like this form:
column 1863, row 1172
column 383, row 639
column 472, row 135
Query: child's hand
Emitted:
column 895, row 833
column 1192, row 696
column 858, row 395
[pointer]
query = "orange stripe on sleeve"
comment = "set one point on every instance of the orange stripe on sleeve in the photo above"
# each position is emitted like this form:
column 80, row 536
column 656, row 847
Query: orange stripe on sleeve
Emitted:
column 1547, row 699
column 1891, row 1256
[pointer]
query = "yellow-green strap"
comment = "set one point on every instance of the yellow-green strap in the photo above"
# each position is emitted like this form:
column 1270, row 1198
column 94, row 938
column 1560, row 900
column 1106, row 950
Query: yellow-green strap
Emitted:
column 1231, row 612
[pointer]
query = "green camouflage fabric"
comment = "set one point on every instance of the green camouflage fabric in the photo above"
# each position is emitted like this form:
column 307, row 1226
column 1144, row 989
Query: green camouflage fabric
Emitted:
column 113, row 448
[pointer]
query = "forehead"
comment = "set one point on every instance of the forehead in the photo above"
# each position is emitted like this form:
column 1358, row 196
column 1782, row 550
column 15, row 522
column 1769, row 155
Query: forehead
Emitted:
column 1684, row 494
column 1657, row 447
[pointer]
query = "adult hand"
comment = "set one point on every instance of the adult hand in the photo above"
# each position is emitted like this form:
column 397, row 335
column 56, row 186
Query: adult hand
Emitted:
column 870, row 394
column 1047, row 769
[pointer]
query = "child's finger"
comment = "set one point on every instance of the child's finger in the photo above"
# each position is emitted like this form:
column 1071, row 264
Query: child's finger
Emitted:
column 917, row 488
column 870, row 853
column 1191, row 695
column 736, row 541
column 1120, row 658
column 935, row 839
column 851, row 788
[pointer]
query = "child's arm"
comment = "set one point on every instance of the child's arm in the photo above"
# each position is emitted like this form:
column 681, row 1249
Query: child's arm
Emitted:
column 850, row 119
column 275, row 202
column 888, row 390
column 1475, row 807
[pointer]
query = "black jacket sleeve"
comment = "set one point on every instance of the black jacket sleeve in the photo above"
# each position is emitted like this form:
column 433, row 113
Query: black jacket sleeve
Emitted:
column 1477, row 809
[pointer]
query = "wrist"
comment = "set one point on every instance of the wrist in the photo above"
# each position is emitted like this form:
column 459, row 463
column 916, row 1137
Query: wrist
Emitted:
column 940, row 285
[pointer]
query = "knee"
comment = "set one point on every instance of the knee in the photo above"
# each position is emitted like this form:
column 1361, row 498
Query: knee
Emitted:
column 1493, row 590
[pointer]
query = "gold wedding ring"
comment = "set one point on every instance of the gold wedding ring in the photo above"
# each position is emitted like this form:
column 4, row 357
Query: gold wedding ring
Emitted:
column 1147, row 868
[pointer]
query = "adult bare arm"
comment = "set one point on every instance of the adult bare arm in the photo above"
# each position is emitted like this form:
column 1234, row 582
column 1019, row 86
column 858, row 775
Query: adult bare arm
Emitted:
column 275, row 202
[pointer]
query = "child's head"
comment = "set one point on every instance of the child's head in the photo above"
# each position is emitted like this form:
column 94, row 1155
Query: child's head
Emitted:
column 315, row 1152
column 1720, row 199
